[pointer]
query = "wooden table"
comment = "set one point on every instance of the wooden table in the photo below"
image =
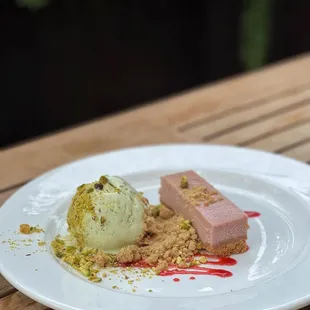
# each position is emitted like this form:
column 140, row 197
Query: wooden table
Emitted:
column 269, row 110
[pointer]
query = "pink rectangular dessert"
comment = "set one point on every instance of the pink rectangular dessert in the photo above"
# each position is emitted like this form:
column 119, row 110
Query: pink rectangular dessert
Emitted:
column 220, row 224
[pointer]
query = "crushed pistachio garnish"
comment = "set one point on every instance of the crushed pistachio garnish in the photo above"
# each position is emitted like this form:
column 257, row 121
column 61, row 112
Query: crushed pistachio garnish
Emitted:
column 186, row 224
column 41, row 243
column 155, row 210
column 184, row 182
column 81, row 187
column 102, row 220
column 81, row 204
column 103, row 179
column 179, row 260
column 94, row 279
column 90, row 190
column 203, row 259
column 81, row 261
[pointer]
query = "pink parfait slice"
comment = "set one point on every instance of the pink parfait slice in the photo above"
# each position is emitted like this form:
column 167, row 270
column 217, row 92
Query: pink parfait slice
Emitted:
column 220, row 224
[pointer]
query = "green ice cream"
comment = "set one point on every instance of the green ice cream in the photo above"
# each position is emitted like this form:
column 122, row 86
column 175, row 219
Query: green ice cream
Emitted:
column 107, row 214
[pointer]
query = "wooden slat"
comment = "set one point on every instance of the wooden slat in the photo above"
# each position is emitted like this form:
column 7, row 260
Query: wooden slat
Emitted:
column 18, row 301
column 265, row 128
column 300, row 152
column 5, row 195
column 30, row 160
column 156, row 123
column 276, row 142
column 217, row 126
column 5, row 288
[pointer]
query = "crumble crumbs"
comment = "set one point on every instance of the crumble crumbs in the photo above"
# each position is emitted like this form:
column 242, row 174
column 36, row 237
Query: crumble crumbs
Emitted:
column 200, row 194
column 168, row 239
column 27, row 229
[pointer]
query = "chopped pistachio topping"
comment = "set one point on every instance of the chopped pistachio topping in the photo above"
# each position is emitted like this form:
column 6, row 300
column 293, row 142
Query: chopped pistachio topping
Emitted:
column 81, row 187
column 155, row 210
column 184, row 181
column 179, row 260
column 94, row 279
column 103, row 179
column 186, row 224
column 90, row 190
column 81, row 261
column 203, row 260
column 102, row 220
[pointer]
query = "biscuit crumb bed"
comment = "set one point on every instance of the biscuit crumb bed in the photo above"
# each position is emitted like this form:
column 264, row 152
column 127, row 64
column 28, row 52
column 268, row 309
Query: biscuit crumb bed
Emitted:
column 168, row 239
column 26, row 229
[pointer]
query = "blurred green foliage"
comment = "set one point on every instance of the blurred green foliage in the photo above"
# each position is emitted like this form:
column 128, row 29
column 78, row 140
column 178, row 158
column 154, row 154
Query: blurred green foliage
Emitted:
column 255, row 33
column 255, row 26
column 32, row 4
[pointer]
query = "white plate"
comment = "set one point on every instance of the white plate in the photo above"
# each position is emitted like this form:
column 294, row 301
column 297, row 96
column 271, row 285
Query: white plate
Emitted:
column 273, row 274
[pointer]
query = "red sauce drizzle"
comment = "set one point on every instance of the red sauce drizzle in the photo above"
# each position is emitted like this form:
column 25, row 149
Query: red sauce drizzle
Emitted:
column 197, row 271
column 193, row 270
column 252, row 214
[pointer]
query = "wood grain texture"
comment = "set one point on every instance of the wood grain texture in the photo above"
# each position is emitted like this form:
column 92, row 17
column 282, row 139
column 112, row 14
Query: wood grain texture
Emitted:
column 279, row 141
column 5, row 195
column 18, row 301
column 159, row 122
column 245, row 124
column 299, row 152
column 5, row 288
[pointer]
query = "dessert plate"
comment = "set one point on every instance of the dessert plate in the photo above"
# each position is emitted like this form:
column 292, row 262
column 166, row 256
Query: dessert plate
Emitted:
column 272, row 274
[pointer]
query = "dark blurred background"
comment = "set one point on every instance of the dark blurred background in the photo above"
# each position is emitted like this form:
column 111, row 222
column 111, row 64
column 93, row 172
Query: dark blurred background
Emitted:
column 63, row 62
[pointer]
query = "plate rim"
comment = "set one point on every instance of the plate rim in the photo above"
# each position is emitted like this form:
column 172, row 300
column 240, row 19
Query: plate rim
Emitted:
column 52, row 303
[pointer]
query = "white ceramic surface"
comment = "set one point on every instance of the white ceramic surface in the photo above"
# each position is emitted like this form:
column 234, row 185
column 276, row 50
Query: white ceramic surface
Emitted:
column 273, row 274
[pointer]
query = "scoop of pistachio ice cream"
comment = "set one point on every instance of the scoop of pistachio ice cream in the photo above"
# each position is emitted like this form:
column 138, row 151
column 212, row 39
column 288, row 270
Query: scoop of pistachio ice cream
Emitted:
column 107, row 214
